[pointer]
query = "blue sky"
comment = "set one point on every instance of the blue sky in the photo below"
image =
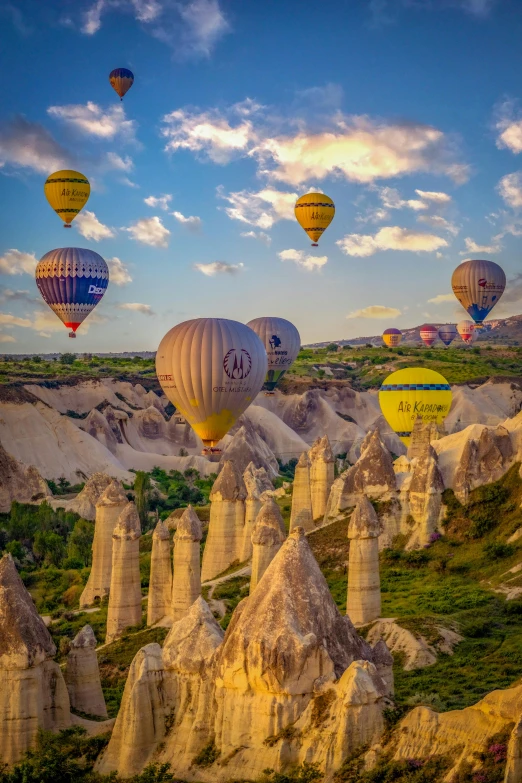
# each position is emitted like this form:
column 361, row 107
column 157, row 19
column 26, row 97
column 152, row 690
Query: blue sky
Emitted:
column 408, row 113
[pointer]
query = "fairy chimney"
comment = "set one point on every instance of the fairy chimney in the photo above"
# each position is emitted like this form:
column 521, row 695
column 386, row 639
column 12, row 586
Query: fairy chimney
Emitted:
column 364, row 586
column 227, row 519
column 322, row 475
column 82, row 675
column 301, row 514
column 160, row 581
column 256, row 482
column 125, row 594
column 267, row 536
column 186, row 584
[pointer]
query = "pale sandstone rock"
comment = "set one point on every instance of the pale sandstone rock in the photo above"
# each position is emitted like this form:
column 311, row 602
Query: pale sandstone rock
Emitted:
column 301, row 514
column 186, row 584
column 84, row 503
column 97, row 426
column 160, row 582
column 322, row 475
column 110, row 504
column 402, row 464
column 483, row 461
column 33, row 694
column 421, row 498
column 416, row 650
column 422, row 434
column 125, row 593
column 383, row 661
column 247, row 446
column 267, row 536
column 256, row 482
column 364, row 584
column 82, row 675
column 19, row 482
column 513, row 772
column 227, row 519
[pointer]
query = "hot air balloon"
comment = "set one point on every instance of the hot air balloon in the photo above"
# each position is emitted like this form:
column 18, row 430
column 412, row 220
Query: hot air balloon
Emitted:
column 314, row 213
column 467, row 331
column 121, row 80
column 67, row 192
column 392, row 337
column 413, row 393
column 72, row 281
column 211, row 369
column 447, row 333
column 282, row 342
column 428, row 334
column 478, row 285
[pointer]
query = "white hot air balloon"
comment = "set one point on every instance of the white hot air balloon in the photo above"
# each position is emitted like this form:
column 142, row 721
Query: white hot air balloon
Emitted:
column 467, row 331
column 282, row 342
column 211, row 369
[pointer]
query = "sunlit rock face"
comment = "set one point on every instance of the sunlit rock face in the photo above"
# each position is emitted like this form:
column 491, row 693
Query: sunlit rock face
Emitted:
column 85, row 502
column 301, row 514
column 19, row 482
column 364, row 584
column 186, row 583
column 227, row 520
column 257, row 482
column 82, row 675
column 268, row 535
column 160, row 581
column 125, row 593
column 322, row 475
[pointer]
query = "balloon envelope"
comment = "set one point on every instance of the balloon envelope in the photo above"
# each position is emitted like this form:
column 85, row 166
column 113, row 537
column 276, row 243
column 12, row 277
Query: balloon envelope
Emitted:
column 67, row 192
column 478, row 285
column 121, row 80
column 211, row 369
column 467, row 331
column 282, row 342
column 447, row 333
column 72, row 281
column 413, row 393
column 314, row 213
column 428, row 334
column 392, row 337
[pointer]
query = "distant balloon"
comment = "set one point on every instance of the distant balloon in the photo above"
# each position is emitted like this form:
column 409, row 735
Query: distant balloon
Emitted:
column 121, row 80
column 467, row 331
column 413, row 393
column 282, row 343
column 392, row 337
column 314, row 213
column 447, row 333
column 428, row 334
column 67, row 192
column 72, row 281
column 211, row 369
column 478, row 285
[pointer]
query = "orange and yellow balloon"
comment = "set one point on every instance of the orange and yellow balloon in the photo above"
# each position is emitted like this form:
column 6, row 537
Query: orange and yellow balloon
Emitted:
column 314, row 213
column 392, row 337
column 121, row 80
column 67, row 192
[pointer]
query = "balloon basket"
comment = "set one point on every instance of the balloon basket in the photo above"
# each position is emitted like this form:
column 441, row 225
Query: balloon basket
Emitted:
column 269, row 394
column 314, row 244
column 67, row 225
column 212, row 453
column 72, row 335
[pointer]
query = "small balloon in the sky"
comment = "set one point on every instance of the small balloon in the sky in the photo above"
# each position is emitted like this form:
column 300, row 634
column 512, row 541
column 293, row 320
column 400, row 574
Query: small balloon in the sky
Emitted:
column 478, row 285
column 428, row 334
column 447, row 333
column 282, row 343
column 468, row 331
column 392, row 337
column 121, row 80
column 67, row 192
column 314, row 213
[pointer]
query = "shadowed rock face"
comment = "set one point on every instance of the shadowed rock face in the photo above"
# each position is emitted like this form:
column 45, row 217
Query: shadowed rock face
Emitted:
column 364, row 586
column 322, row 475
column 422, row 497
column 267, row 536
column 85, row 502
column 247, row 446
column 301, row 514
column 160, row 582
column 19, row 482
column 151, row 423
column 82, row 675
column 483, row 461
column 97, row 426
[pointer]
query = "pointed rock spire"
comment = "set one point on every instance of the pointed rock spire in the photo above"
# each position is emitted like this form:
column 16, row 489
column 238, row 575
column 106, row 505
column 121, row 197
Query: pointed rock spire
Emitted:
column 322, row 474
column 192, row 641
column 82, row 675
column 267, row 536
column 364, row 586
column 301, row 514
column 186, row 584
column 125, row 593
column 85, row 502
column 256, row 482
column 160, row 581
column 227, row 519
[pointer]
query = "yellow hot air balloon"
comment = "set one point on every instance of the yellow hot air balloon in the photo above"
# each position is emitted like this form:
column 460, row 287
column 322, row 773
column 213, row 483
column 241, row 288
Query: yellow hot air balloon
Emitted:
column 67, row 192
column 413, row 393
column 211, row 369
column 314, row 213
column 392, row 337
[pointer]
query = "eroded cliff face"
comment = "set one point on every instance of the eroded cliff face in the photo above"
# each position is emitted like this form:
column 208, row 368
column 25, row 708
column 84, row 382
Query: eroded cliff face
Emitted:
column 19, row 482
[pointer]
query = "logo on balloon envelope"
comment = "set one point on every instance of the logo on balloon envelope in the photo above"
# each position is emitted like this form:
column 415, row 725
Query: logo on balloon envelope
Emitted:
column 237, row 363
column 482, row 282
column 94, row 289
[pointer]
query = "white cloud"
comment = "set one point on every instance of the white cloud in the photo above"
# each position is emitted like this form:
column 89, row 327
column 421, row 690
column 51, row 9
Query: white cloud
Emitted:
column 46, row 321
column 92, row 120
column 299, row 257
column 260, row 235
column 30, row 145
column 118, row 271
column 218, row 268
column 149, row 231
column 261, row 209
column 205, row 24
column 473, row 247
column 137, row 307
column 128, row 182
column 7, row 338
column 437, row 221
column 6, row 319
column 435, row 197
column 90, row 227
column 375, row 311
column 509, row 125
column 442, row 298
column 92, row 18
column 390, row 238
column 162, row 202
column 118, row 163
column 510, row 189
column 15, row 262
column 193, row 223
column 392, row 200
column 376, row 215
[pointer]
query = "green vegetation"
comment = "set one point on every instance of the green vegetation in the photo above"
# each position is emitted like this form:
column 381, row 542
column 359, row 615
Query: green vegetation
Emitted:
column 231, row 593
column 72, row 366
column 180, row 489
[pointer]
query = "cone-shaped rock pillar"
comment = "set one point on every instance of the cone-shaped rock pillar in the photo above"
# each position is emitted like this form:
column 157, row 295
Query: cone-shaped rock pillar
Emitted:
column 421, row 436
column 425, row 497
column 301, row 515
column 83, row 676
column 227, row 519
column 160, row 582
column 186, row 584
column 256, row 482
column 125, row 594
column 111, row 503
column 268, row 535
column 364, row 585
column 322, row 475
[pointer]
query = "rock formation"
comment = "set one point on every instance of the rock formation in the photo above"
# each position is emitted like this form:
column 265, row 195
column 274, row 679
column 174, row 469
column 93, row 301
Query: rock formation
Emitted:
column 364, row 584
column 247, row 446
column 416, row 651
column 110, row 504
column 125, row 593
column 268, row 535
column 227, row 519
column 160, row 581
column 513, row 772
column 383, row 661
column 33, row 694
column 186, row 584
column 482, row 461
column 19, row 482
column 97, row 426
column 422, row 434
column 322, row 475
column 301, row 515
column 256, row 483
column 84, row 503
column 402, row 464
column 421, row 498
column 82, row 675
